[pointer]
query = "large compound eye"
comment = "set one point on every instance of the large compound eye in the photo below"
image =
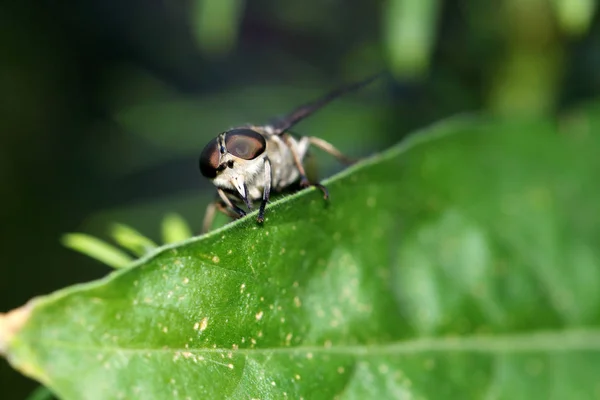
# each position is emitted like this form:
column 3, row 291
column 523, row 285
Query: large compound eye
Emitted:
column 209, row 159
column 245, row 143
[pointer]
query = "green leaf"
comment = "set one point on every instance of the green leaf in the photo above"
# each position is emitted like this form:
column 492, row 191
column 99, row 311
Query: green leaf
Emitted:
column 463, row 263
column 40, row 393
column 575, row 16
column 175, row 228
column 97, row 248
column 409, row 31
column 216, row 25
column 131, row 239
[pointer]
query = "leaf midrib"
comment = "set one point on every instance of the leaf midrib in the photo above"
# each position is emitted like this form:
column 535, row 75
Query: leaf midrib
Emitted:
column 549, row 341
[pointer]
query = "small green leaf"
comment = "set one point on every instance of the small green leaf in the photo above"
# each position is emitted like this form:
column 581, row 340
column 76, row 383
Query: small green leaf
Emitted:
column 575, row 16
column 463, row 263
column 131, row 239
column 175, row 228
column 216, row 25
column 40, row 393
column 409, row 34
column 98, row 249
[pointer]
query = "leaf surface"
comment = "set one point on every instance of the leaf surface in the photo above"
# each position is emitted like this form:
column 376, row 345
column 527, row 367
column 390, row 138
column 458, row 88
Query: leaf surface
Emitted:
column 463, row 263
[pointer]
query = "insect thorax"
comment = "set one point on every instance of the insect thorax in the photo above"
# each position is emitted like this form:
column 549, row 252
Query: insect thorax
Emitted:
column 283, row 169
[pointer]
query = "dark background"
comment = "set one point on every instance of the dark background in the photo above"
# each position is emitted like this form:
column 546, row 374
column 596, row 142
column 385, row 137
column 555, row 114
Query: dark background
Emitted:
column 106, row 105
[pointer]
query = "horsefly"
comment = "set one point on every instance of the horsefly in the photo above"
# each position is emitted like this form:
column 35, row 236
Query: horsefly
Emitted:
column 250, row 162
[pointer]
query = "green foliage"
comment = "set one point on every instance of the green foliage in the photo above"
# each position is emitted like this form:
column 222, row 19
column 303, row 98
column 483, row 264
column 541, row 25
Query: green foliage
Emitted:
column 131, row 239
column 462, row 263
column 98, row 249
column 410, row 28
column 575, row 16
column 216, row 25
column 174, row 229
column 40, row 393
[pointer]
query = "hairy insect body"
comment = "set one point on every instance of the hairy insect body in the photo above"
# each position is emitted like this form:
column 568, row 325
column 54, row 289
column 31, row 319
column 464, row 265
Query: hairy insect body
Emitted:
column 280, row 150
column 247, row 163
column 247, row 177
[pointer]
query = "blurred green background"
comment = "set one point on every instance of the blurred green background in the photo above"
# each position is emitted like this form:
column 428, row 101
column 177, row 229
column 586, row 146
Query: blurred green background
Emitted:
column 107, row 104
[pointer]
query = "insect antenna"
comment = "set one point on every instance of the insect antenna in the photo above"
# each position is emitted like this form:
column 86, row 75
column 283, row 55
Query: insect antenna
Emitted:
column 284, row 123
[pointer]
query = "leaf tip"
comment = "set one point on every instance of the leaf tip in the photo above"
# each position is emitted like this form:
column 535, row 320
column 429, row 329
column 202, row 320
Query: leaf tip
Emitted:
column 10, row 325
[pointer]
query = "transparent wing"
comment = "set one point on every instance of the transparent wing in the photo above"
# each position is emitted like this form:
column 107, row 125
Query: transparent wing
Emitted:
column 284, row 123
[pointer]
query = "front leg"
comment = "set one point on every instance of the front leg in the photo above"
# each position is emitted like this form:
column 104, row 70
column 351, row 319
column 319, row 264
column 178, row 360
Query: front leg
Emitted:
column 266, row 192
column 219, row 204
column 240, row 213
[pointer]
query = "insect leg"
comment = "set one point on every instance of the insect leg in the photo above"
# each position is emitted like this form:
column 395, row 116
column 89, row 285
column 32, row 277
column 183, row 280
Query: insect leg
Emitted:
column 209, row 216
column 223, row 208
column 329, row 148
column 239, row 212
column 266, row 191
column 247, row 198
column 304, row 182
column 211, row 210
